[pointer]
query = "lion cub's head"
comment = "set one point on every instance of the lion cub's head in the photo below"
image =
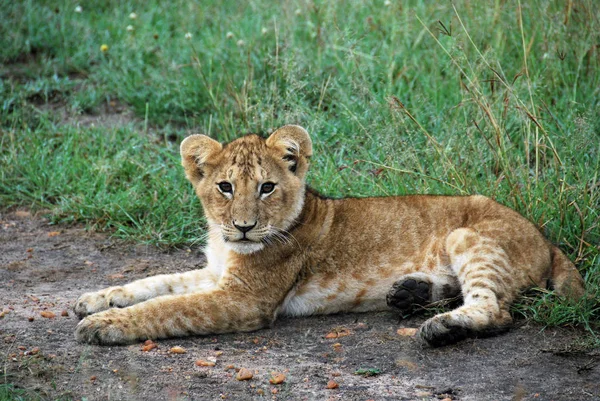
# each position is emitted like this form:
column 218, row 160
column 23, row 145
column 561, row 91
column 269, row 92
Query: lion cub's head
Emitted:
column 251, row 189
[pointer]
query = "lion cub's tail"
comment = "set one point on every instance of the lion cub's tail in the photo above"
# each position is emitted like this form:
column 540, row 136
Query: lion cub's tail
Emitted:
column 566, row 279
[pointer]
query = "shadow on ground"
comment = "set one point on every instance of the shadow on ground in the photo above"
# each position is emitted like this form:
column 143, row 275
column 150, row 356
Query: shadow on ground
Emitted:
column 44, row 268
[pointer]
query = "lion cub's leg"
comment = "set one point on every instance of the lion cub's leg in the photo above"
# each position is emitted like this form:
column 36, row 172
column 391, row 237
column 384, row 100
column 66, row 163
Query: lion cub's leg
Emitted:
column 142, row 290
column 484, row 272
column 419, row 289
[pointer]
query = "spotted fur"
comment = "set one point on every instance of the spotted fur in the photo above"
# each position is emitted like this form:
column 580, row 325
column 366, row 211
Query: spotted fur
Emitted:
column 292, row 252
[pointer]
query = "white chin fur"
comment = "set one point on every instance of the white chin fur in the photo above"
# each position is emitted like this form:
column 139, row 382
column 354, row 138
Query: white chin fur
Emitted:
column 244, row 248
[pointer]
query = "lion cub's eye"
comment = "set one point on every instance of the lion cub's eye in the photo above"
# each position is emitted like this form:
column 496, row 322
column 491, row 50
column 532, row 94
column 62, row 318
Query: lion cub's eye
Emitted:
column 267, row 188
column 225, row 187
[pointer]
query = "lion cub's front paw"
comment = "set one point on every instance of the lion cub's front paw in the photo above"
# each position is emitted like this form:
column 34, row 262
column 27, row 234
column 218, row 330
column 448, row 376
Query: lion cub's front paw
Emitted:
column 108, row 327
column 93, row 302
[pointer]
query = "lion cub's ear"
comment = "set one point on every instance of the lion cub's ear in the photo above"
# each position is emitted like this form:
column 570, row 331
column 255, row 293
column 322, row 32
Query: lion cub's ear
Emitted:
column 294, row 145
column 195, row 151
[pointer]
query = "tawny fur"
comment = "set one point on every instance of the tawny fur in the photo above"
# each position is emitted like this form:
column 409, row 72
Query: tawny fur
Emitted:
column 310, row 255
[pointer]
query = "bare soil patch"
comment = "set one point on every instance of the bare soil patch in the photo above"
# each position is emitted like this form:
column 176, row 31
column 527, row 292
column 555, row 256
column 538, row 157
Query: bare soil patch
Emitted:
column 44, row 268
column 111, row 114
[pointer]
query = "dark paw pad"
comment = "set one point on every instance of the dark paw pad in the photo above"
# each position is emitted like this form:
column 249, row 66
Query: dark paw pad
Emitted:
column 408, row 294
column 438, row 333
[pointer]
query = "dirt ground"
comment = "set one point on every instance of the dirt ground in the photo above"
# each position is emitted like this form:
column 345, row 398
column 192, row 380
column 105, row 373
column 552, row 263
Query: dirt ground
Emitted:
column 44, row 268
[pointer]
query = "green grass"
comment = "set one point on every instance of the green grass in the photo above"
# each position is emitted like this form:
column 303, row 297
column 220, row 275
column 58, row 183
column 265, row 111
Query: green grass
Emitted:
column 10, row 393
column 500, row 98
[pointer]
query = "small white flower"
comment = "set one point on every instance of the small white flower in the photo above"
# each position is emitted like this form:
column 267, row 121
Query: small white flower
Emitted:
column 188, row 35
column 298, row 11
column 241, row 43
column 78, row 9
column 264, row 31
column 132, row 16
column 130, row 28
column 229, row 35
column 387, row 3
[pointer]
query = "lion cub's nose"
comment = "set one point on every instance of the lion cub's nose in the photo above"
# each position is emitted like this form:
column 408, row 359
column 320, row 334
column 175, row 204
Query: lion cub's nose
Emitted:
column 244, row 228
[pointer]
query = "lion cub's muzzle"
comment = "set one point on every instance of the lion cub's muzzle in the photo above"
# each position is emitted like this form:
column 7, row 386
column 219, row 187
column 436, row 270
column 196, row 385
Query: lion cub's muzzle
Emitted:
column 244, row 231
column 244, row 228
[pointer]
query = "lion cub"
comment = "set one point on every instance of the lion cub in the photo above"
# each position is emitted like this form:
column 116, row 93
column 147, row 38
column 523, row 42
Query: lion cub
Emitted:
column 276, row 247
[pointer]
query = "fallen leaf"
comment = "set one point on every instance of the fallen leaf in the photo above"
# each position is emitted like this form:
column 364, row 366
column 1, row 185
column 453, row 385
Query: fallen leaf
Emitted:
column 116, row 276
column 47, row 314
column 177, row 350
column 277, row 378
column 202, row 362
column 337, row 333
column 376, row 172
column 53, row 233
column 406, row 364
column 407, row 332
column 34, row 350
column 149, row 345
column 4, row 313
column 22, row 213
column 331, row 385
column 244, row 374
column 64, row 313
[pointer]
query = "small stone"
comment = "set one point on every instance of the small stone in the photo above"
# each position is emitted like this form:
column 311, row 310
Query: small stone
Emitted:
column 332, row 384
column 47, row 314
column 277, row 378
column 202, row 362
column 244, row 374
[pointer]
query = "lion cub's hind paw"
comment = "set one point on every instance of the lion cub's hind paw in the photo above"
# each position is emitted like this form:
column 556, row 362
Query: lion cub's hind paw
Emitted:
column 439, row 331
column 409, row 294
